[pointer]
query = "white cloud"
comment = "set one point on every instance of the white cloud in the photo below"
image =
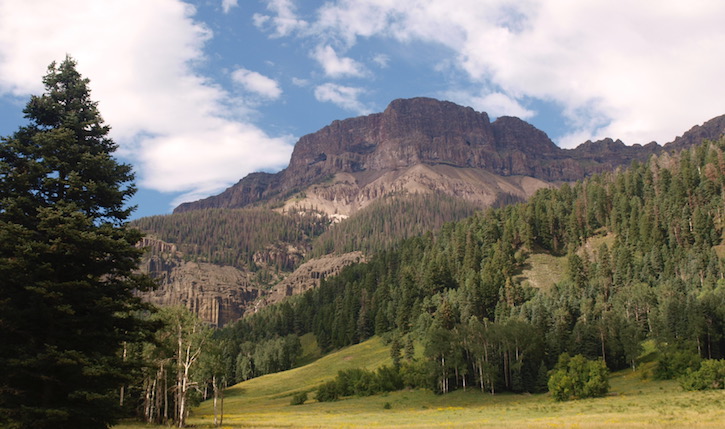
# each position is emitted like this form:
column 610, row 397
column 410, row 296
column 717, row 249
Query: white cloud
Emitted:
column 336, row 66
column 381, row 60
column 494, row 103
column 139, row 55
column 344, row 96
column 227, row 5
column 228, row 147
column 297, row 81
column 631, row 70
column 284, row 20
column 257, row 83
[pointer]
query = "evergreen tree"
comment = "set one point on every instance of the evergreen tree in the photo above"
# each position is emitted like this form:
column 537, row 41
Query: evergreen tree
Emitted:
column 67, row 261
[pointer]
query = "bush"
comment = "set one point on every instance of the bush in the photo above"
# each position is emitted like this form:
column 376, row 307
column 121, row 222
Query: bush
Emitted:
column 327, row 392
column 711, row 375
column 356, row 382
column 388, row 379
column 577, row 377
column 675, row 363
column 361, row 382
column 299, row 398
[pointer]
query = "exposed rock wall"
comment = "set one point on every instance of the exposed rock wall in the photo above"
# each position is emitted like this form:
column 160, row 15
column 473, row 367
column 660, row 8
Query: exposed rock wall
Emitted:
column 218, row 294
column 309, row 275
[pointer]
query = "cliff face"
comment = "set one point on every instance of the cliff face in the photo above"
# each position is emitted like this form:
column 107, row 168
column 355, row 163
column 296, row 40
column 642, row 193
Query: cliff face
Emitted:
column 223, row 294
column 309, row 275
column 424, row 131
column 217, row 294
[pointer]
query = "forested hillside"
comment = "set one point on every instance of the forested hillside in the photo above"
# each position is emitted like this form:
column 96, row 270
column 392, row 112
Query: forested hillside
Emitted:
column 234, row 236
column 653, row 273
column 389, row 220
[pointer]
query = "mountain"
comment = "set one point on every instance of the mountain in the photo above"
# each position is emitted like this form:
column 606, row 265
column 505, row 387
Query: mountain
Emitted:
column 384, row 173
column 420, row 145
column 637, row 262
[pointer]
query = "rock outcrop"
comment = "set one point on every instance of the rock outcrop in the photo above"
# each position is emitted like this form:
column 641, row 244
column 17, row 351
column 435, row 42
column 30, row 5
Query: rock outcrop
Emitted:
column 309, row 275
column 710, row 130
column 217, row 294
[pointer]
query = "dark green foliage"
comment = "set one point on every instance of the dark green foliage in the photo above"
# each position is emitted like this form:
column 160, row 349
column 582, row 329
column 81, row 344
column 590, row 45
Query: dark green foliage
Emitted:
column 360, row 382
column 675, row 362
column 67, row 262
column 577, row 378
column 327, row 392
column 711, row 375
column 264, row 357
column 234, row 236
column 395, row 348
column 388, row 220
column 299, row 398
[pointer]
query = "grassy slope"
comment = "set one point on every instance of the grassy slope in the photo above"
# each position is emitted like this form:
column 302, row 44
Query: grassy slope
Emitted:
column 634, row 402
column 542, row 270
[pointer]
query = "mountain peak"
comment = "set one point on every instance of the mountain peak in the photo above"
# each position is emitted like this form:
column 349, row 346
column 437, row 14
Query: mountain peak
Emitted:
column 429, row 132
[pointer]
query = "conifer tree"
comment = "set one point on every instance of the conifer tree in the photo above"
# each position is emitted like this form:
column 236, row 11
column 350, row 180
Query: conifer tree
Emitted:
column 66, row 263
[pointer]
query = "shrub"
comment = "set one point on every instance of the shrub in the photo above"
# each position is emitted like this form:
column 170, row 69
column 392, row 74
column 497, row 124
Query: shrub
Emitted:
column 388, row 379
column 327, row 392
column 577, row 377
column 675, row 363
column 711, row 375
column 299, row 398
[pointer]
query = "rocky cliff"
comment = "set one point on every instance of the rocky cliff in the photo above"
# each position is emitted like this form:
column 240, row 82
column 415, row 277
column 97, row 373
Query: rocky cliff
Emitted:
column 217, row 294
column 222, row 294
column 354, row 153
column 309, row 275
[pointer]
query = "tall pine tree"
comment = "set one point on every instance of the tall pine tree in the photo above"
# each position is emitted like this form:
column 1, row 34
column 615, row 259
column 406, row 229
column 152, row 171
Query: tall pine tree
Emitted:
column 66, row 263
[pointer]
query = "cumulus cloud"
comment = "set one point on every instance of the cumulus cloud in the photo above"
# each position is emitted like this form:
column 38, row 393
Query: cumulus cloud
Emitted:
column 336, row 66
column 494, row 103
column 257, row 83
column 635, row 71
column 227, row 5
column 283, row 21
column 344, row 96
column 171, row 122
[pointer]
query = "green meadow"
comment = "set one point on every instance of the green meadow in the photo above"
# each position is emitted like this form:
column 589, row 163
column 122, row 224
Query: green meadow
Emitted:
column 635, row 401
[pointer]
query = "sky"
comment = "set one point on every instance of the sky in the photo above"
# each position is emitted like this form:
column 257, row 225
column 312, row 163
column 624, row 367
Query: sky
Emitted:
column 201, row 93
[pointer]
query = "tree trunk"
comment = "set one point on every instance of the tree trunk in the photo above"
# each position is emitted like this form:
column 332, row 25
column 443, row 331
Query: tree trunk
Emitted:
column 123, row 387
column 480, row 374
column 216, row 395
column 221, row 410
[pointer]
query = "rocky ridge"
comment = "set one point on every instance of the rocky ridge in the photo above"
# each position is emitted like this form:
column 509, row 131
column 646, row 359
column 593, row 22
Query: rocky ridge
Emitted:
column 358, row 159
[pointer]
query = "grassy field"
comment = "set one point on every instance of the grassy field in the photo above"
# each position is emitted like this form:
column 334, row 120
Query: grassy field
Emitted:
column 542, row 270
column 634, row 402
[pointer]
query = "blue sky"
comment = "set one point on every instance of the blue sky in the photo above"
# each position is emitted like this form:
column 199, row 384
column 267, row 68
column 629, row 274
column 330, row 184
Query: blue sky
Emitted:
column 201, row 93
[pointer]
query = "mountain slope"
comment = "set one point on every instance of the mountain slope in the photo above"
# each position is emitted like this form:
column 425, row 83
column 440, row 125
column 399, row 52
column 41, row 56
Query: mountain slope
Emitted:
column 640, row 259
column 419, row 148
